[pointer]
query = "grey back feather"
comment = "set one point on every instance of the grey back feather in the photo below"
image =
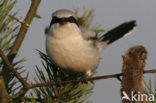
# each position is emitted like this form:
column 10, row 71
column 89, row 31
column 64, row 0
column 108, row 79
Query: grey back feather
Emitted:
column 90, row 35
column 87, row 33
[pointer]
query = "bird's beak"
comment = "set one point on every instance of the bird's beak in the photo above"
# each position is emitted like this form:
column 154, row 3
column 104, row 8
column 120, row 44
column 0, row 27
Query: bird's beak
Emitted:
column 63, row 21
column 47, row 30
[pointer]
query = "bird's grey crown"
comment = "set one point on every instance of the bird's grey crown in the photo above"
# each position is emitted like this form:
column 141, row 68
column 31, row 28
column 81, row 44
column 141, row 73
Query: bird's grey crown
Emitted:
column 88, row 34
column 63, row 13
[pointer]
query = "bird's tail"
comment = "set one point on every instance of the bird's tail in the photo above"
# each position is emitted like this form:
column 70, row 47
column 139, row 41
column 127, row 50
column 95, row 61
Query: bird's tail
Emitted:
column 117, row 33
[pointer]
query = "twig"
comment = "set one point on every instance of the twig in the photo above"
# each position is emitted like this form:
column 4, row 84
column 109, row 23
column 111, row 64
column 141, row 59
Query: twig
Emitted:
column 18, row 76
column 72, row 82
column 24, row 28
column 76, row 81
column 86, row 80
column 150, row 71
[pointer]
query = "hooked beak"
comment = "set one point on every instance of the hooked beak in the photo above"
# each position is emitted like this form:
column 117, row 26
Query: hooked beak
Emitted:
column 63, row 21
column 47, row 30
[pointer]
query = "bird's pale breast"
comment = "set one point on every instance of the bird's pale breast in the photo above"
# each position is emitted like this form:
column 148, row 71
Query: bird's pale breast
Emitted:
column 73, row 53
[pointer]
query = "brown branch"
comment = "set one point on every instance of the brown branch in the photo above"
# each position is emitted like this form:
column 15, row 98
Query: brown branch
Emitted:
column 24, row 28
column 85, row 80
column 150, row 71
column 11, row 68
column 21, row 92
column 18, row 41
column 76, row 81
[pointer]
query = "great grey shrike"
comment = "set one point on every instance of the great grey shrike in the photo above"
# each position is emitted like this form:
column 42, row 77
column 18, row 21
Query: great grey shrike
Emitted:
column 76, row 48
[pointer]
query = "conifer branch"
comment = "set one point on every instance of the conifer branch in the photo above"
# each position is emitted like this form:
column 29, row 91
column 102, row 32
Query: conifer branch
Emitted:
column 23, row 91
column 24, row 28
column 12, row 69
column 85, row 80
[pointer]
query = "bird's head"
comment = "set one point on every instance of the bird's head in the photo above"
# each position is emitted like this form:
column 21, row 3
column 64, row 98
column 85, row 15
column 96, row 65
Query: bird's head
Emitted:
column 62, row 20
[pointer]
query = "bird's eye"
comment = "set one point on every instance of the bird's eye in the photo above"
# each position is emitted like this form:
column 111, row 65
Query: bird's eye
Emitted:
column 72, row 20
column 54, row 20
column 63, row 20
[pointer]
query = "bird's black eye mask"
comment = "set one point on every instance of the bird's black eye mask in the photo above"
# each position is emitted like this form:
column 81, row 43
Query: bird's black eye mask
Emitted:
column 62, row 21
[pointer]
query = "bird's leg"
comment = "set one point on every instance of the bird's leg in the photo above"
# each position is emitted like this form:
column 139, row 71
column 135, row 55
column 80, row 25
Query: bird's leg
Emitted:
column 85, row 76
column 88, row 73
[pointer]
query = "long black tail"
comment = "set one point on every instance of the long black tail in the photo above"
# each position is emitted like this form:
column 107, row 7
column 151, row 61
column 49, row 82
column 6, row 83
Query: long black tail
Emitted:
column 118, row 32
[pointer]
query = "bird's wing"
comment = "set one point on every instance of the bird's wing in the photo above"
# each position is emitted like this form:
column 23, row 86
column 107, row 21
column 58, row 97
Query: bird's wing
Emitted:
column 88, row 34
column 117, row 33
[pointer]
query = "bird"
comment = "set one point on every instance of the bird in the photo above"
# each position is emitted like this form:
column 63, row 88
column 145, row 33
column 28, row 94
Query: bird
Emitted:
column 75, row 48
